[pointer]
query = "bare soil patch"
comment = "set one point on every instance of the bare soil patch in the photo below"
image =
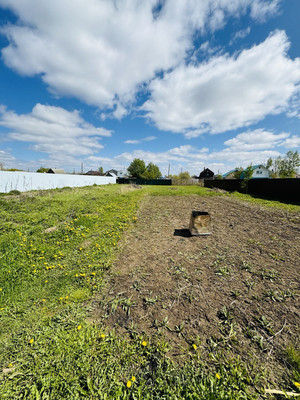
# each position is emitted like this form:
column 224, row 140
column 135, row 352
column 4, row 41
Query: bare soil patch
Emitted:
column 236, row 290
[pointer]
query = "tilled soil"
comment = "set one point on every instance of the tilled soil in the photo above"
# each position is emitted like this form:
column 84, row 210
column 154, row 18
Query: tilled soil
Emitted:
column 235, row 290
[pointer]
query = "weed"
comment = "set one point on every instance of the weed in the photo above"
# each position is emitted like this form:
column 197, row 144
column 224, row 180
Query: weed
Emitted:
column 150, row 300
column 222, row 271
column 225, row 315
column 270, row 275
column 249, row 284
column 245, row 265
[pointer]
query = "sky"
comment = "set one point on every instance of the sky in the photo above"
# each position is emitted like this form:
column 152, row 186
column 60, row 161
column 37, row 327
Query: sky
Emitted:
column 184, row 84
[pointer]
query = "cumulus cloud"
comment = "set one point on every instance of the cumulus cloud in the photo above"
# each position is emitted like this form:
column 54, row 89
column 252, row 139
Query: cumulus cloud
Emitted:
column 53, row 130
column 292, row 142
column 102, row 51
column 227, row 92
column 256, row 140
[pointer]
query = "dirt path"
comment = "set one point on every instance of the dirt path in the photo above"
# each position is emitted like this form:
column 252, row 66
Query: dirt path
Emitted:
column 237, row 289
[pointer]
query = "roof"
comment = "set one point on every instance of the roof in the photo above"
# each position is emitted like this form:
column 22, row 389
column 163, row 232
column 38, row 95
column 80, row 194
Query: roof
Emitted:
column 95, row 173
column 55, row 171
column 253, row 167
column 229, row 172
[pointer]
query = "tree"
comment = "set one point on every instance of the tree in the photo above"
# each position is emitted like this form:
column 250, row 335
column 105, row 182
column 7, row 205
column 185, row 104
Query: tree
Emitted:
column 247, row 173
column 238, row 172
column 152, row 172
column 1, row 166
column 42, row 169
column 285, row 167
column 184, row 175
column 137, row 168
column 100, row 169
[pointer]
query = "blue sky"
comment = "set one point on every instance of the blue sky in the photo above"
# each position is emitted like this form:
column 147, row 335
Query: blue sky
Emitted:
column 193, row 84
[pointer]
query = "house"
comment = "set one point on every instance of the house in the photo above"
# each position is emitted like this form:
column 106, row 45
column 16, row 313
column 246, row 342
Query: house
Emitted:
column 55, row 171
column 230, row 174
column 114, row 173
column 206, row 173
column 259, row 171
column 94, row 173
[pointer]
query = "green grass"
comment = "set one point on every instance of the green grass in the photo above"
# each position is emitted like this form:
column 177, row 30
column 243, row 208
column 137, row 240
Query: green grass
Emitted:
column 48, row 278
column 283, row 205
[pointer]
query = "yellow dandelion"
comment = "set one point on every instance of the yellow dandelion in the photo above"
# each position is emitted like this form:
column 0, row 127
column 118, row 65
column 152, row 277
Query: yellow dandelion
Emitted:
column 144, row 343
column 0, row 289
column 102, row 336
column 133, row 379
column 76, row 275
column 94, row 273
column 46, row 281
column 31, row 341
column 297, row 384
column 218, row 376
column 194, row 347
column 79, row 327
column 10, row 365
column 67, row 297
column 128, row 384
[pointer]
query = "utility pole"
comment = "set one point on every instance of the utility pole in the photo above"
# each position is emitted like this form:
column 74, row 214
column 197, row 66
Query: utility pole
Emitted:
column 82, row 167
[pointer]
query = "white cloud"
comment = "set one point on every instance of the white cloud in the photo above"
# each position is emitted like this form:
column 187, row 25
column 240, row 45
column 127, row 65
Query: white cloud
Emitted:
column 6, row 159
column 101, row 51
column 261, row 10
column 226, row 92
column 258, row 139
column 240, row 35
column 146, row 139
column 292, row 142
column 53, row 130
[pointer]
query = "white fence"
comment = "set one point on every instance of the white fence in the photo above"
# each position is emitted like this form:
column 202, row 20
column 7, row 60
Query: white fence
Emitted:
column 25, row 181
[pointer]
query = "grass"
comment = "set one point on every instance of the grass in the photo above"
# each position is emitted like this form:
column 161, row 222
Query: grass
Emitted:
column 55, row 249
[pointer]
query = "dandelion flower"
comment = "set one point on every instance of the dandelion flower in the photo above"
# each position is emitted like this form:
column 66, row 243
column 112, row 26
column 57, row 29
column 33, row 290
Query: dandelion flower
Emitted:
column 79, row 327
column 31, row 341
column 102, row 336
column 128, row 384
column 297, row 384
column 144, row 343
column 218, row 376
column 194, row 346
column 133, row 379
column 67, row 297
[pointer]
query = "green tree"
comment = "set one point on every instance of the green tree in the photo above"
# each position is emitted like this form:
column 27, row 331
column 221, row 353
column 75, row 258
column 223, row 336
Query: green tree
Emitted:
column 137, row 168
column 100, row 169
column 285, row 167
column 247, row 173
column 238, row 172
column 184, row 175
column 152, row 172
column 42, row 169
